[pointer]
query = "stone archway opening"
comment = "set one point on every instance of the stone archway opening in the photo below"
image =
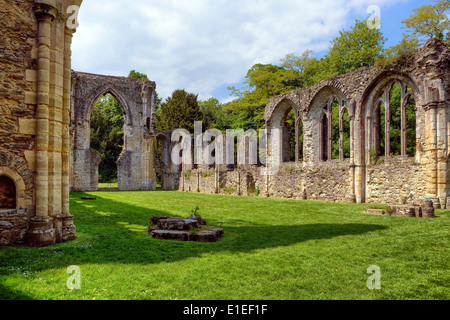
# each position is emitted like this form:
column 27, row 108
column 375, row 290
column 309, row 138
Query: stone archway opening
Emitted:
column 292, row 137
column 8, row 200
column 394, row 122
column 107, row 122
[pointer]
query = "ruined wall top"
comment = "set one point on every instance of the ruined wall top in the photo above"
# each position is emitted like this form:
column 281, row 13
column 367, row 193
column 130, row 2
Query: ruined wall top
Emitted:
column 429, row 62
column 136, row 96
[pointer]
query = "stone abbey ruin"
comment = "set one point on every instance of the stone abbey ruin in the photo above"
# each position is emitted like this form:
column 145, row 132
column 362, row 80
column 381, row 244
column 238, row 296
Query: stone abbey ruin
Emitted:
column 45, row 137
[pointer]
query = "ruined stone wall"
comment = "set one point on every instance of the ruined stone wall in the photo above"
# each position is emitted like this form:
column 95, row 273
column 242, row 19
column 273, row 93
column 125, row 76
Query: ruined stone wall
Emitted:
column 34, row 119
column 359, row 178
column 396, row 181
column 137, row 100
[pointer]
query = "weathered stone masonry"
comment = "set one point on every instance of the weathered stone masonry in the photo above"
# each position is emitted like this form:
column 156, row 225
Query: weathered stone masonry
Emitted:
column 389, row 179
column 44, row 132
column 35, row 85
column 137, row 99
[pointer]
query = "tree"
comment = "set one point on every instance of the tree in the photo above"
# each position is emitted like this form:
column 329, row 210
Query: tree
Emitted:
column 214, row 114
column 355, row 48
column 137, row 75
column 299, row 67
column 429, row 21
column 179, row 111
column 263, row 81
column 404, row 49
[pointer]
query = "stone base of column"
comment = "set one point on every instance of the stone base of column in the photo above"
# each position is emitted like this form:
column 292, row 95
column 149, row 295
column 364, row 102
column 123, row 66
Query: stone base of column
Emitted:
column 45, row 232
column 68, row 228
column 41, row 232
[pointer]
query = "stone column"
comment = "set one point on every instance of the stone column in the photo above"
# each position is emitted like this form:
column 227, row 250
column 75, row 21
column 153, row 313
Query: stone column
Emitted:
column 358, row 165
column 297, row 138
column 330, row 134
column 442, row 151
column 387, row 105
column 65, row 188
column 68, row 227
column 341, row 138
column 403, row 125
column 41, row 232
column 56, row 117
column 431, row 146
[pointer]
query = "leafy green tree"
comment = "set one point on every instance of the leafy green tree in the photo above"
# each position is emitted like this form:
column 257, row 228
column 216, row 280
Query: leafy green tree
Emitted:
column 179, row 111
column 429, row 21
column 214, row 114
column 263, row 81
column 404, row 49
column 137, row 75
column 355, row 48
column 301, row 68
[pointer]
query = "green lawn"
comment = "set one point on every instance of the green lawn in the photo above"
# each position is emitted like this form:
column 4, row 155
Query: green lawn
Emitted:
column 272, row 249
column 108, row 185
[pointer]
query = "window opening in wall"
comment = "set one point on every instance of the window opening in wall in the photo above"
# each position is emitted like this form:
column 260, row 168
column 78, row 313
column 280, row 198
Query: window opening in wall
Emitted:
column 411, row 126
column 345, row 134
column 7, row 193
column 396, row 119
column 290, row 135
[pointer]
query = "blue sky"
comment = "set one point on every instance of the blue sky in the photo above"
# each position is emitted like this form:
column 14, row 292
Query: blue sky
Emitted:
column 204, row 46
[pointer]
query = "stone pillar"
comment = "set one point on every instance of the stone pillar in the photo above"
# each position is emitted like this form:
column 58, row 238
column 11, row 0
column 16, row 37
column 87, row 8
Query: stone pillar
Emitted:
column 403, row 125
column 56, row 116
column 68, row 227
column 358, row 165
column 330, row 135
column 341, row 138
column 442, row 151
column 65, row 187
column 45, row 15
column 387, row 140
column 297, row 138
column 431, row 146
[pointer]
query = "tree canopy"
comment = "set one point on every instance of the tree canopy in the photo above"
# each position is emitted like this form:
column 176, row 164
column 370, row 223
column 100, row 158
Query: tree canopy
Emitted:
column 429, row 21
column 179, row 111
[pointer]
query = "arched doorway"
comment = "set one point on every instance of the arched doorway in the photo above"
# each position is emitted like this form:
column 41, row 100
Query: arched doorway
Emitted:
column 8, row 194
column 107, row 138
column 133, row 107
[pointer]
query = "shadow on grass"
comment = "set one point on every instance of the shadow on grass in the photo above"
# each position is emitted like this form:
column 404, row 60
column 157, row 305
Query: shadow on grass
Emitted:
column 122, row 237
column 113, row 232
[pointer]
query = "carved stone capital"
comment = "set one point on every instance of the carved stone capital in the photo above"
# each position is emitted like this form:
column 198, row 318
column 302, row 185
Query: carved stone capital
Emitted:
column 45, row 11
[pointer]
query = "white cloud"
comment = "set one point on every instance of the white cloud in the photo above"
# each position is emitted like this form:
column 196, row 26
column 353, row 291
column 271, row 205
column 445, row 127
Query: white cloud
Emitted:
column 202, row 45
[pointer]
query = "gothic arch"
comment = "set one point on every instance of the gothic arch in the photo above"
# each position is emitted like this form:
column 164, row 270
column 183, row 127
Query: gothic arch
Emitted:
column 277, row 121
column 137, row 101
column 320, row 115
column 19, row 183
column 377, row 94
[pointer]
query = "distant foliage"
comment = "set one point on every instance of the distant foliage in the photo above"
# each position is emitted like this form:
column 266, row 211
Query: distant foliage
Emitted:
column 107, row 131
column 179, row 111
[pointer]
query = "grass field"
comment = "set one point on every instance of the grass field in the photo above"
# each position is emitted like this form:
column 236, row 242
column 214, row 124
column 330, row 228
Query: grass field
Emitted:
column 277, row 249
column 108, row 185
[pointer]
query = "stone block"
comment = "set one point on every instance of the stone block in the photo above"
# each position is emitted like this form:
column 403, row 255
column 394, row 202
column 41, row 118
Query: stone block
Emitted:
column 378, row 212
column 171, row 235
column 171, row 224
column 428, row 212
column 405, row 211
column 27, row 126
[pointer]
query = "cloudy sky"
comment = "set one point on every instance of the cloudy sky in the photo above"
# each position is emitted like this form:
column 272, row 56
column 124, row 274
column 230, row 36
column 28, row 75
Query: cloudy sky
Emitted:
column 204, row 46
